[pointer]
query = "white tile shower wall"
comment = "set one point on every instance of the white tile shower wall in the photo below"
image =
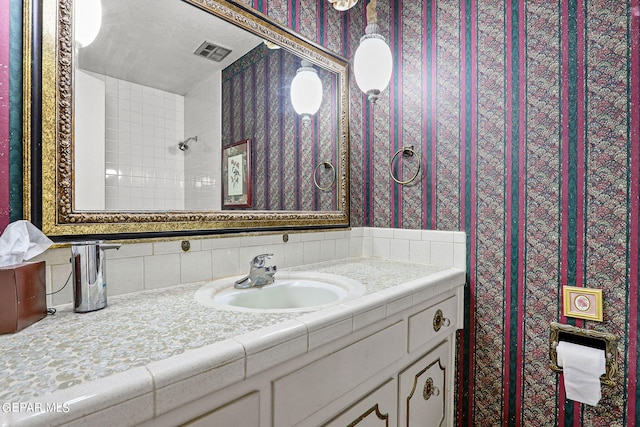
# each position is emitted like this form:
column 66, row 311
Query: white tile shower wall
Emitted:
column 144, row 168
column 153, row 265
column 202, row 160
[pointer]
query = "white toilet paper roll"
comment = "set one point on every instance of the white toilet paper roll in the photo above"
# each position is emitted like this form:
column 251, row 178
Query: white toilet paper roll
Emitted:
column 581, row 367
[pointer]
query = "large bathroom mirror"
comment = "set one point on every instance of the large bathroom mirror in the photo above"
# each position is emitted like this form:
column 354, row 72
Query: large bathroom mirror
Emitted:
column 177, row 117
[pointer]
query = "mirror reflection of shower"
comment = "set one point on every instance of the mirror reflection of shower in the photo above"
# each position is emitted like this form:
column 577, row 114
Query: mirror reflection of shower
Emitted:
column 184, row 145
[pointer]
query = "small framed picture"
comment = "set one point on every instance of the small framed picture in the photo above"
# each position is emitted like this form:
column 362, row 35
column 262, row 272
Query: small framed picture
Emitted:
column 582, row 303
column 236, row 175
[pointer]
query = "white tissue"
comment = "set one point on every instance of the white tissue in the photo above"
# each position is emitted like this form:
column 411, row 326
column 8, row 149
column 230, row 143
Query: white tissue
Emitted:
column 21, row 241
column 582, row 367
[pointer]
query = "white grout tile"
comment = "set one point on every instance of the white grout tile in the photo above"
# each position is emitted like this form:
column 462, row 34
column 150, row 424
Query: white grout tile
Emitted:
column 125, row 275
column 355, row 246
column 293, row 254
column 170, row 247
column 459, row 237
column 294, row 237
column 399, row 250
column 342, row 248
column 386, row 233
column 258, row 240
column 437, row 236
column 420, row 251
column 161, row 271
column 460, row 255
column 225, row 262
column 262, row 339
column 327, row 325
column 356, row 232
column 381, row 247
column 333, row 235
column 195, row 266
column 327, row 250
column 442, row 254
column 367, row 246
column 311, row 236
column 367, row 310
column 403, row 233
column 165, row 264
column 399, row 298
column 196, row 373
column 292, row 339
column 311, row 252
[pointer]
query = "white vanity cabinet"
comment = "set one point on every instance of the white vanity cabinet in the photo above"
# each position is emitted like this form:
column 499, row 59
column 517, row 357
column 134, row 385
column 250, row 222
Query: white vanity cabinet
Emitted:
column 395, row 372
column 244, row 412
column 423, row 390
column 383, row 358
column 377, row 409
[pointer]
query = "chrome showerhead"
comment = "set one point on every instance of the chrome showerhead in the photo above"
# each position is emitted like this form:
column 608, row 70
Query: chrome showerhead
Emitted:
column 184, row 145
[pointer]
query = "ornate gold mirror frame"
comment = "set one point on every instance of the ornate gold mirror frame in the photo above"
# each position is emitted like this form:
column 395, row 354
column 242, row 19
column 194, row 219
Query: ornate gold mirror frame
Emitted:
column 58, row 216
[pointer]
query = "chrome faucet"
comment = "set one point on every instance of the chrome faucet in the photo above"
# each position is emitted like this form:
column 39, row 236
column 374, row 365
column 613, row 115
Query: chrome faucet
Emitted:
column 260, row 274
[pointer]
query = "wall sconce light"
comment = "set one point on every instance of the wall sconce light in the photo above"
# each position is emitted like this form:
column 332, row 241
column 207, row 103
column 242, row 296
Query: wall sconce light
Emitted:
column 372, row 63
column 88, row 19
column 306, row 91
column 343, row 5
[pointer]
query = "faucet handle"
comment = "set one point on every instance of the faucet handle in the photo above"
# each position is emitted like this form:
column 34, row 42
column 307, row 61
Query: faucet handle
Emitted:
column 259, row 260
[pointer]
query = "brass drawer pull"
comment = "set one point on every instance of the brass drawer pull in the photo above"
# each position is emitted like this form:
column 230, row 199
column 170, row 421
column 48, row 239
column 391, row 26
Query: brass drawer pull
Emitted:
column 430, row 389
column 439, row 321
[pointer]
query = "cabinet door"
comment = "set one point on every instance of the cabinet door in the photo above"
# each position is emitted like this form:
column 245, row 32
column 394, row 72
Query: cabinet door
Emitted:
column 310, row 389
column 377, row 409
column 422, row 398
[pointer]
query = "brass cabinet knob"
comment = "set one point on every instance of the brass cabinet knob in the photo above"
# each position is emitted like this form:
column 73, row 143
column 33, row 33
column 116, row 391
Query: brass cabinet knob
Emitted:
column 439, row 321
column 429, row 389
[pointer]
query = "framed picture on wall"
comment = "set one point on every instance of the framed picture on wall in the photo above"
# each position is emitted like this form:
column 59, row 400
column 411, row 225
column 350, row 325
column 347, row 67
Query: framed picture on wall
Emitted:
column 236, row 175
column 583, row 303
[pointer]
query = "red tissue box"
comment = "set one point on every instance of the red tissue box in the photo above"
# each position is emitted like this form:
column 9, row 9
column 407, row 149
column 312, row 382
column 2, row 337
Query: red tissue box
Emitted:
column 23, row 298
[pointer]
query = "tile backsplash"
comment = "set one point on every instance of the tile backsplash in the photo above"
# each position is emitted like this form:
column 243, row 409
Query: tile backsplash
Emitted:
column 157, row 264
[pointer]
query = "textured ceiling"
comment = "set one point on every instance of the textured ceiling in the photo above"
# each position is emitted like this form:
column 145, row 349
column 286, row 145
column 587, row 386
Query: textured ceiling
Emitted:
column 151, row 42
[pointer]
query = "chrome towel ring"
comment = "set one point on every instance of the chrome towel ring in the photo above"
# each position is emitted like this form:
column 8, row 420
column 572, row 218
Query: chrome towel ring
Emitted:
column 406, row 151
column 327, row 165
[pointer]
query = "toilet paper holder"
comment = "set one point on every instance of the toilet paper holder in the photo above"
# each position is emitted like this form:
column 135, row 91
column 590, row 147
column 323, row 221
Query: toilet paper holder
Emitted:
column 596, row 339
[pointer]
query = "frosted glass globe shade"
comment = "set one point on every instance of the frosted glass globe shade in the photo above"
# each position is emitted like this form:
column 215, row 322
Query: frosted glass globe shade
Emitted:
column 88, row 18
column 372, row 64
column 306, row 92
column 343, row 5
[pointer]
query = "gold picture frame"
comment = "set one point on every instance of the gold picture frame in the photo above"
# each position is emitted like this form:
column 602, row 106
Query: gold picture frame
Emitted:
column 582, row 303
column 236, row 175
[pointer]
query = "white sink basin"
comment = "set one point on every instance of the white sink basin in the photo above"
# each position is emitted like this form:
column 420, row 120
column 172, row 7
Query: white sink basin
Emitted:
column 292, row 291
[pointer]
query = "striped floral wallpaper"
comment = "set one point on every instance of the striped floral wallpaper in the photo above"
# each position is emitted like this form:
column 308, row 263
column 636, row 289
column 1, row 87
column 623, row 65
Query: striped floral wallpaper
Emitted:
column 4, row 117
column 286, row 152
column 527, row 117
column 10, row 111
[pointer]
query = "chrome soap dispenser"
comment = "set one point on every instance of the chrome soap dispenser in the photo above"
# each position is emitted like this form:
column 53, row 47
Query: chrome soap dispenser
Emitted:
column 88, row 265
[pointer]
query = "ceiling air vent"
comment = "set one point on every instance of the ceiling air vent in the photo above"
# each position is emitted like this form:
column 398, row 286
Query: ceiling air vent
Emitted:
column 211, row 51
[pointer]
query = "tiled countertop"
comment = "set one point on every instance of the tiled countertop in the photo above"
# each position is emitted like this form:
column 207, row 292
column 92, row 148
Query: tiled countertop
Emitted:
column 70, row 349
